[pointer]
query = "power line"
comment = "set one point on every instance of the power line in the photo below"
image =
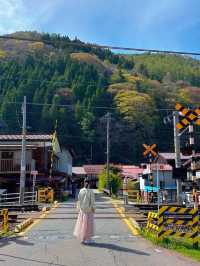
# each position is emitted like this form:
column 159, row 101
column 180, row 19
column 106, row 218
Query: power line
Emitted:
column 103, row 46
column 83, row 106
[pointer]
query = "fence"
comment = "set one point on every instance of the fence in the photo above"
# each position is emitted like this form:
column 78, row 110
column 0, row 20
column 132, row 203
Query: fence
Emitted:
column 7, row 199
column 11, row 166
column 133, row 195
column 175, row 221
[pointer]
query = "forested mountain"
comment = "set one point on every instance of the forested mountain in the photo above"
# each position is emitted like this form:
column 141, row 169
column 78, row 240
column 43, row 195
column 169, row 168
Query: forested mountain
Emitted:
column 77, row 84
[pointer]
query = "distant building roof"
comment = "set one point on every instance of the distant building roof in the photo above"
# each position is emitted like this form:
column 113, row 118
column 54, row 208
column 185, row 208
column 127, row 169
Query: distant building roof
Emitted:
column 171, row 156
column 78, row 170
column 131, row 171
column 93, row 169
column 28, row 137
column 161, row 167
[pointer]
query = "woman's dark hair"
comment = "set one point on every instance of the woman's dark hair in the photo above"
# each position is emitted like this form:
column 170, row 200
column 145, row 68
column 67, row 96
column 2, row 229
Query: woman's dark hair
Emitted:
column 86, row 183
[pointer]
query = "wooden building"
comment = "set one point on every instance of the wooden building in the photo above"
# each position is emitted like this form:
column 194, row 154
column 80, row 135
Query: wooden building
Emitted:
column 38, row 158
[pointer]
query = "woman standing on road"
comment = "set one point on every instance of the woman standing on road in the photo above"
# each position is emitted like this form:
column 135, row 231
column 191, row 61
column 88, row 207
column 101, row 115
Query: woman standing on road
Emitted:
column 84, row 228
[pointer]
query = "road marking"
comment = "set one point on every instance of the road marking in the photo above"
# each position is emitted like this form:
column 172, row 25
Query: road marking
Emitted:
column 115, row 236
column 39, row 219
column 95, row 237
column 126, row 219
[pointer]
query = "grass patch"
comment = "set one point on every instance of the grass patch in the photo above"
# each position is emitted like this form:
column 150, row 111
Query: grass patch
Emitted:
column 114, row 196
column 181, row 245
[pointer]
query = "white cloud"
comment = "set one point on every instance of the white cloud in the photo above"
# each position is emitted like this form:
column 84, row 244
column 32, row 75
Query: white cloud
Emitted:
column 17, row 15
column 12, row 16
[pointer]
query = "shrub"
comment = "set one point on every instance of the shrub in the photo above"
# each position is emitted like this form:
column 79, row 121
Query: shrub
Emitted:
column 115, row 183
column 115, row 180
column 102, row 181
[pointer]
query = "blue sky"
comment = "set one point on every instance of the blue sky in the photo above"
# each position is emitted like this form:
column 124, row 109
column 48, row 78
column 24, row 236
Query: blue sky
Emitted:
column 158, row 24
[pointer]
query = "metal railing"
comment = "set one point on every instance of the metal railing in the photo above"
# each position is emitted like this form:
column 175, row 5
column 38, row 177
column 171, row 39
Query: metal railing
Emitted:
column 7, row 199
column 12, row 166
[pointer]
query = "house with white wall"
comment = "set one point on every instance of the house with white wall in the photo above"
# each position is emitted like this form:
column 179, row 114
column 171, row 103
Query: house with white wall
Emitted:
column 162, row 180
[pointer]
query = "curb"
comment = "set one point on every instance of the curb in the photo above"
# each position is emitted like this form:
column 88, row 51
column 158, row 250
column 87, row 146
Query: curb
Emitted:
column 48, row 208
column 45, row 209
column 23, row 225
column 135, row 224
column 55, row 204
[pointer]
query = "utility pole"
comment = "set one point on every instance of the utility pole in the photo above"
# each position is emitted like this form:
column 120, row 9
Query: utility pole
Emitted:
column 177, row 155
column 108, row 117
column 23, row 156
column 158, row 184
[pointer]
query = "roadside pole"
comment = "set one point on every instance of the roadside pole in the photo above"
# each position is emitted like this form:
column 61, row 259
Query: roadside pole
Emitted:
column 125, row 190
column 108, row 153
column 158, row 185
column 177, row 156
column 23, row 156
column 34, row 174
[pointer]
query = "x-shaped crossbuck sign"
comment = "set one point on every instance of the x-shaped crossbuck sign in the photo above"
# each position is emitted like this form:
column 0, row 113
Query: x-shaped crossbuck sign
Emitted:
column 190, row 116
column 150, row 150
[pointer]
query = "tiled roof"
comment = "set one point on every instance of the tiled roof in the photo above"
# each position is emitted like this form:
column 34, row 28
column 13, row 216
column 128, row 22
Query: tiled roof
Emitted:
column 28, row 137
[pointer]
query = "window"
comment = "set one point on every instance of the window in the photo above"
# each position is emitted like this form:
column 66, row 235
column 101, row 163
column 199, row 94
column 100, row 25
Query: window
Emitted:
column 7, row 155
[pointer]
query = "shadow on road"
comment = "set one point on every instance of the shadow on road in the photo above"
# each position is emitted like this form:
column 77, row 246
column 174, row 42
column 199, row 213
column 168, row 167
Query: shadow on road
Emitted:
column 16, row 240
column 118, row 248
column 33, row 260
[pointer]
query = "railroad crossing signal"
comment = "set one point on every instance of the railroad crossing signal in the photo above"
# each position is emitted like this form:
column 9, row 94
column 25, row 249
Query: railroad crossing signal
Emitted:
column 150, row 150
column 189, row 116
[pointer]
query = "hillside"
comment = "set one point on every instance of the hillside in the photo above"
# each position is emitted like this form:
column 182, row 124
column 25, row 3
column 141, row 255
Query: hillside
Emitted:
column 57, row 71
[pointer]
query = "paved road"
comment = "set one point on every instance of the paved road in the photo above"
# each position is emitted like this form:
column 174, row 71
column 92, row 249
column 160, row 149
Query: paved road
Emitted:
column 51, row 242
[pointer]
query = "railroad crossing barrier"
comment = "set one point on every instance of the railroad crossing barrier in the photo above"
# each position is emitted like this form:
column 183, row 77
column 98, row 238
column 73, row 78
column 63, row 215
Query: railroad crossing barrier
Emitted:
column 175, row 221
column 46, row 195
